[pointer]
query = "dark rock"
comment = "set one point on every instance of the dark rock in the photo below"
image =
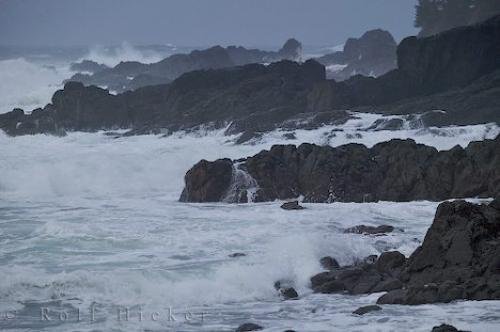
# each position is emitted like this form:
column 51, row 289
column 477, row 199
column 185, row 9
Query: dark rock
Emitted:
column 294, row 205
column 366, row 309
column 208, row 182
column 256, row 99
column 289, row 136
column 391, row 263
column 368, row 260
column 321, row 278
column 429, row 78
column 237, row 254
column 373, row 54
column 355, row 173
column 249, row 327
column 131, row 75
column 396, row 296
column 384, row 124
column 288, row 293
column 330, row 287
column 292, row 50
column 458, row 258
column 445, row 328
column 87, row 66
column 329, row 263
column 363, row 229
column 456, row 71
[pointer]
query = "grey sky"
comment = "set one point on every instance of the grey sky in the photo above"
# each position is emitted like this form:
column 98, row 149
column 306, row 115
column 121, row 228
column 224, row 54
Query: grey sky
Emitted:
column 199, row 22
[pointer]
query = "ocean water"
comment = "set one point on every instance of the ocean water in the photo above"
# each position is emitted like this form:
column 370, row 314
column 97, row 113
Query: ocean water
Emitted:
column 90, row 227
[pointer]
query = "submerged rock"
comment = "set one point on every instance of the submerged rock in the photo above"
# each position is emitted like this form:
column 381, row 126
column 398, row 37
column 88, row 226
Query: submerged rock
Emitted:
column 294, row 205
column 247, row 327
column 237, row 254
column 288, row 293
column 445, row 328
column 366, row 309
column 364, row 229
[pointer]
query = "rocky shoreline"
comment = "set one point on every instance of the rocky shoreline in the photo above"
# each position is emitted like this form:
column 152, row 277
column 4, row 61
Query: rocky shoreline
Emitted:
column 397, row 170
column 459, row 259
column 455, row 72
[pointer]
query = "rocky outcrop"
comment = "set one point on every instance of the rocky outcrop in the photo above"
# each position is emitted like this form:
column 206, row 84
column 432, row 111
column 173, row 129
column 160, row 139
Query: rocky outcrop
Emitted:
column 366, row 309
column 87, row 66
column 397, row 170
column 459, row 258
column 366, row 277
column 294, row 205
column 432, row 74
column 131, row 75
column 457, row 72
column 249, row 327
column 243, row 95
column 364, row 229
column 373, row 54
column 445, row 328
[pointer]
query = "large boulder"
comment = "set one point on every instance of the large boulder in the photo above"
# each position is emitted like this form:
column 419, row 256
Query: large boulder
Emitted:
column 362, row 278
column 208, row 181
column 459, row 258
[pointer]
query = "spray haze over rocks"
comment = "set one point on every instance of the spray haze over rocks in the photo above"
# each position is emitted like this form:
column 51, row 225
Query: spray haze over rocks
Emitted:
column 455, row 72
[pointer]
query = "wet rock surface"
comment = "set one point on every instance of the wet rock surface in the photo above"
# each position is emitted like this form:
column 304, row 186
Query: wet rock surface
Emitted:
column 458, row 260
column 373, row 54
column 366, row 309
column 362, row 278
column 131, row 75
column 294, row 205
column 249, row 327
column 456, row 71
column 329, row 263
column 445, row 328
column 364, row 229
column 397, row 170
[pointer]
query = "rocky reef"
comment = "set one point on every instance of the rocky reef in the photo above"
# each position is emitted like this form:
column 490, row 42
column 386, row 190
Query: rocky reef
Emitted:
column 397, row 170
column 458, row 259
column 131, row 75
column 457, row 72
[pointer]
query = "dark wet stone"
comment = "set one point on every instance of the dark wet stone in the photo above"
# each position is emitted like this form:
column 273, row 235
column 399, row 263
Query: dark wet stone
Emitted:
column 330, row 287
column 366, row 309
column 364, row 229
column 247, row 327
column 329, row 263
column 397, row 296
column 445, row 328
column 294, row 205
column 289, row 293
column 237, row 254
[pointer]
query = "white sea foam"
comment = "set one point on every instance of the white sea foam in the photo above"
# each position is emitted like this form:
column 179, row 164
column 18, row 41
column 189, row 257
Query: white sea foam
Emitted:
column 28, row 85
column 111, row 56
column 87, row 219
column 93, row 219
